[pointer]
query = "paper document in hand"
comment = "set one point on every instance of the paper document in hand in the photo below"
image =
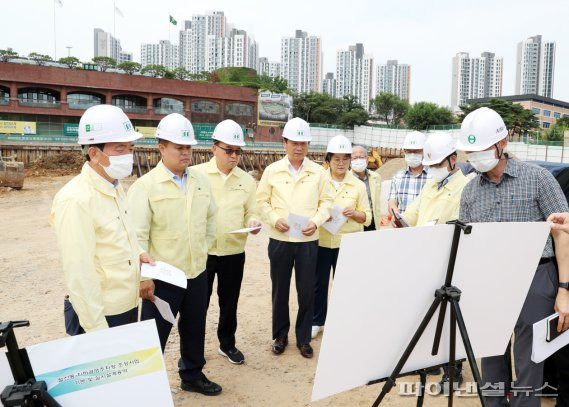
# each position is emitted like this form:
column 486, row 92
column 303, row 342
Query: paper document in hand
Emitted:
column 165, row 310
column 296, row 223
column 245, row 230
column 338, row 219
column 164, row 272
column 542, row 349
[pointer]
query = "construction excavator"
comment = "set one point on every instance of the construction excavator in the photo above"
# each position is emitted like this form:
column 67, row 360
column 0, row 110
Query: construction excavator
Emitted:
column 11, row 172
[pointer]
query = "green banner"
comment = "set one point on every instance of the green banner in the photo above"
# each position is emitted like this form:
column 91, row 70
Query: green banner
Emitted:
column 71, row 129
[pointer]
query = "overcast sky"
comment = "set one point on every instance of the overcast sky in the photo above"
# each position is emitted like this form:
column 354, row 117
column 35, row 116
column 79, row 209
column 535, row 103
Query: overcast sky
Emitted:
column 424, row 34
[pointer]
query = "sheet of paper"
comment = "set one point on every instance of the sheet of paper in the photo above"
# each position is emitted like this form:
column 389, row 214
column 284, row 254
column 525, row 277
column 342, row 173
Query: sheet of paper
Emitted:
column 165, row 272
column 165, row 310
column 362, row 289
column 542, row 349
column 120, row 366
column 337, row 220
column 245, row 230
column 296, row 224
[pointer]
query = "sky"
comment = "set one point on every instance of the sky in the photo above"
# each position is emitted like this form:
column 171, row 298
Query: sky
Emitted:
column 424, row 34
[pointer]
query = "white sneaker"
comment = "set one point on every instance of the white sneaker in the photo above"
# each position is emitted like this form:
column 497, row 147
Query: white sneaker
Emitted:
column 315, row 330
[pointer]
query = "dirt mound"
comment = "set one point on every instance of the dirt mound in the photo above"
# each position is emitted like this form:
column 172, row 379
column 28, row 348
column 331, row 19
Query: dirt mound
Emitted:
column 65, row 163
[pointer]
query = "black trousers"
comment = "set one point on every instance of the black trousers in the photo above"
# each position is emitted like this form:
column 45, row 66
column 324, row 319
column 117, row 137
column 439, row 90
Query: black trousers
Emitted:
column 327, row 259
column 72, row 326
column 283, row 257
column 191, row 303
column 229, row 270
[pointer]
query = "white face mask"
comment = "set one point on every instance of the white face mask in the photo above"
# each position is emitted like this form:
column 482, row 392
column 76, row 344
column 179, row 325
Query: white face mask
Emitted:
column 413, row 160
column 359, row 164
column 120, row 166
column 439, row 174
column 483, row 161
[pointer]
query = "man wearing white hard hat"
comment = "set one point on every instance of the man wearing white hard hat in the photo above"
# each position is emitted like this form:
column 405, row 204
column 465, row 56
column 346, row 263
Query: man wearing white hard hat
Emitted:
column 234, row 193
column 407, row 184
column 508, row 190
column 173, row 211
column 350, row 195
column 298, row 187
column 99, row 252
column 372, row 182
column 439, row 200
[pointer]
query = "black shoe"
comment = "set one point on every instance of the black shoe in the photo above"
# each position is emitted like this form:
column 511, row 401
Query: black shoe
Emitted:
column 233, row 355
column 203, row 386
column 433, row 371
column 445, row 381
column 280, row 344
column 305, row 350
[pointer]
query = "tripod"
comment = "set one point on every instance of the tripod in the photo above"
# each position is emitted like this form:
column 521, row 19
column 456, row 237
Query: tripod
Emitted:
column 447, row 294
column 26, row 391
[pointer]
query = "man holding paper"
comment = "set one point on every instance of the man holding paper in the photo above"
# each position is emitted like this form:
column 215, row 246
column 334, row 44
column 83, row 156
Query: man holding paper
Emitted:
column 294, row 198
column 234, row 193
column 508, row 190
column 350, row 213
column 173, row 211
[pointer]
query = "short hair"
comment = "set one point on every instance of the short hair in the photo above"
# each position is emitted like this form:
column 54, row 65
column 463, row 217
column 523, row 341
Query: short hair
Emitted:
column 85, row 147
column 328, row 157
column 360, row 146
column 163, row 142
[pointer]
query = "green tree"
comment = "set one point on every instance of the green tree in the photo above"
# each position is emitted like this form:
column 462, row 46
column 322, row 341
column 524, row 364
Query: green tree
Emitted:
column 71, row 62
column 202, row 76
column 517, row 119
column 7, row 54
column 181, row 73
column 563, row 121
column 169, row 75
column 275, row 85
column 156, row 71
column 424, row 114
column 40, row 59
column 353, row 113
column 390, row 108
column 105, row 63
column 323, row 108
column 130, row 67
column 557, row 131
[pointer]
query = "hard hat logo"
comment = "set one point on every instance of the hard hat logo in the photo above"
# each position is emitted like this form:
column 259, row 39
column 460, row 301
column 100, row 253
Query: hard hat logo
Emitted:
column 472, row 139
column 429, row 155
column 300, row 133
column 127, row 126
column 87, row 128
column 186, row 133
column 236, row 136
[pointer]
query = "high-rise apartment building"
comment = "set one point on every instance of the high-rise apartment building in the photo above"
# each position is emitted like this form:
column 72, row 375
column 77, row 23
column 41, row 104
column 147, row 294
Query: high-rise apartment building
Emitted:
column 301, row 62
column 354, row 74
column 394, row 78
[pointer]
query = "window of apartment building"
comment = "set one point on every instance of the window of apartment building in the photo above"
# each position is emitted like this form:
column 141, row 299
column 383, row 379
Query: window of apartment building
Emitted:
column 546, row 125
column 557, row 115
column 205, row 106
column 536, row 110
column 546, row 113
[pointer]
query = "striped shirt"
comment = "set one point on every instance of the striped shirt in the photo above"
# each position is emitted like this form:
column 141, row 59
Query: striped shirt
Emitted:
column 405, row 187
column 526, row 193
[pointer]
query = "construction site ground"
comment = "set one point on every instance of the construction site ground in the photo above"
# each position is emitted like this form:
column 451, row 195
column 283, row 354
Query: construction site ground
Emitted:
column 32, row 288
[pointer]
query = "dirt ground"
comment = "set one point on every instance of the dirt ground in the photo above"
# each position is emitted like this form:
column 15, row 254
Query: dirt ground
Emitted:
column 31, row 287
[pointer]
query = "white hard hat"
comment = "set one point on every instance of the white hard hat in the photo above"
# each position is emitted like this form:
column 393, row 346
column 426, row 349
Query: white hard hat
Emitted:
column 414, row 141
column 297, row 129
column 438, row 146
column 177, row 129
column 481, row 129
column 340, row 145
column 105, row 124
column 229, row 132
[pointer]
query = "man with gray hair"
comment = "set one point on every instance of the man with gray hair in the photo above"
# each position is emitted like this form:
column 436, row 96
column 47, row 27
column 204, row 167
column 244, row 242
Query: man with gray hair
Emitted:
column 372, row 181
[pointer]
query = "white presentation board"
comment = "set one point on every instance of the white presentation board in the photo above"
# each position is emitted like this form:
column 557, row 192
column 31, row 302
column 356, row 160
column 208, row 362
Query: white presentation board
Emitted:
column 120, row 366
column 385, row 282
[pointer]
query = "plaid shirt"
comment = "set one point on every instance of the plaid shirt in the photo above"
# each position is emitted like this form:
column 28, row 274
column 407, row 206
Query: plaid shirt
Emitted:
column 526, row 193
column 405, row 187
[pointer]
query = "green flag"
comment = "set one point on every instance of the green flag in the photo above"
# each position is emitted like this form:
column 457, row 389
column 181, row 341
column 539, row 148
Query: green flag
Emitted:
column 174, row 22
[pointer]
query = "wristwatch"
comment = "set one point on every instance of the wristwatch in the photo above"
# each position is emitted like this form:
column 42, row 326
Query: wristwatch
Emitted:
column 564, row 285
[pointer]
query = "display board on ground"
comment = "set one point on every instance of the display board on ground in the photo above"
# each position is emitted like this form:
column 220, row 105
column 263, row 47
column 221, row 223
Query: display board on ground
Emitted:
column 375, row 310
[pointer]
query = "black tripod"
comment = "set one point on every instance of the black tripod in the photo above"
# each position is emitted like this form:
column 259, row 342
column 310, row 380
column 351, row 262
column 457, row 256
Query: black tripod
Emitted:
column 446, row 294
column 26, row 391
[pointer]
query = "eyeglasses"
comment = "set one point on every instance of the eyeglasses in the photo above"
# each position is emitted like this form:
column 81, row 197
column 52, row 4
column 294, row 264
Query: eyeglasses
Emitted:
column 230, row 151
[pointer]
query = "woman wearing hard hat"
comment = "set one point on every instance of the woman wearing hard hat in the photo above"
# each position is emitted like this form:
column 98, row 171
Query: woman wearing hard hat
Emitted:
column 351, row 201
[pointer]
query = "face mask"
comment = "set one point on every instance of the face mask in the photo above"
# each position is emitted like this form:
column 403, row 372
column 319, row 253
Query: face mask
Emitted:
column 483, row 161
column 359, row 165
column 120, row 166
column 413, row 160
column 439, row 174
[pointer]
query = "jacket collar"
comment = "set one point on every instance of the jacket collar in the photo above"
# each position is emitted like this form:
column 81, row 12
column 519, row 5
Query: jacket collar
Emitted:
column 211, row 168
column 98, row 182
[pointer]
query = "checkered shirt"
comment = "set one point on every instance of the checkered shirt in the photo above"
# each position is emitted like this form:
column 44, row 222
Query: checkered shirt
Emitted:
column 405, row 187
